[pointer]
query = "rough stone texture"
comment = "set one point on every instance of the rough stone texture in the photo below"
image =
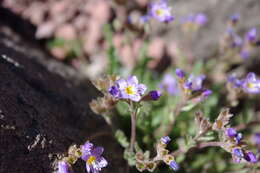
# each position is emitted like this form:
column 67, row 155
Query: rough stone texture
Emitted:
column 42, row 113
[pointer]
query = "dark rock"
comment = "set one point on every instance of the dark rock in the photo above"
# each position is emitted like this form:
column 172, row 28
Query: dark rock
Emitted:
column 43, row 113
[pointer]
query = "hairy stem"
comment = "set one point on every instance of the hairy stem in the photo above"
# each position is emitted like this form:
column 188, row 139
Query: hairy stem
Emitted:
column 198, row 146
column 133, row 129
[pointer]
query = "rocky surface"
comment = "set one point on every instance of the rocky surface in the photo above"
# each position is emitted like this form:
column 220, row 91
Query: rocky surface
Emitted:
column 44, row 109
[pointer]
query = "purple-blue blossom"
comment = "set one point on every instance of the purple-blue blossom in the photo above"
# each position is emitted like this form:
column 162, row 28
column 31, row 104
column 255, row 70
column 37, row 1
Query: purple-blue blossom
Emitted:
column 231, row 132
column 235, row 18
column 128, row 89
column 250, row 157
column 174, row 165
column 161, row 11
column 180, row 73
column 155, row 94
column 94, row 161
column 63, row 167
column 165, row 140
column 237, row 154
column 257, row 139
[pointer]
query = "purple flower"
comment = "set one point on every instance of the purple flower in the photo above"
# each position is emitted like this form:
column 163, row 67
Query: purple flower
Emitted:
column 155, row 95
column 94, row 161
column 231, row 132
column 128, row 89
column 201, row 19
column 196, row 82
column 161, row 11
column 238, row 138
column 244, row 54
column 251, row 35
column 169, row 84
column 197, row 19
column 235, row 81
column 113, row 91
column 257, row 139
column 250, row 157
column 174, row 165
column 180, row 73
column 237, row 154
column 63, row 167
column 206, row 93
column 165, row 140
column 251, row 84
column 235, row 18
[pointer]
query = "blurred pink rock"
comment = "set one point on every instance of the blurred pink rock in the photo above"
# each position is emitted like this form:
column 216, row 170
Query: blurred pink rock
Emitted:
column 58, row 7
column 142, row 3
column 126, row 56
column 59, row 52
column 137, row 45
column 156, row 50
column 118, row 40
column 45, row 30
column 92, row 38
column 66, row 31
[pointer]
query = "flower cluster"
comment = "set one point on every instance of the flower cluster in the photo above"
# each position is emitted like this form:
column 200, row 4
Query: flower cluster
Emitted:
column 92, row 156
column 250, row 84
column 237, row 147
column 232, row 41
column 160, row 11
column 143, row 162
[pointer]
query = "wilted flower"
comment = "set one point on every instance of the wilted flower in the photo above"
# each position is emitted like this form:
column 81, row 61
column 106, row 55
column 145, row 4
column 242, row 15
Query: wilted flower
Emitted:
column 161, row 11
column 94, row 161
column 251, row 84
column 128, row 89
column 63, row 167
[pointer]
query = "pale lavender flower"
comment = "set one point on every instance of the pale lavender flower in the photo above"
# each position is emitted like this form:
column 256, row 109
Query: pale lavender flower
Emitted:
column 199, row 19
column 244, row 54
column 250, row 157
column 128, row 89
column 63, row 167
column 251, row 35
column 94, row 161
column 169, row 84
column 174, row 165
column 161, row 11
column 195, row 82
column 165, row 140
column 251, row 84
column 257, row 139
